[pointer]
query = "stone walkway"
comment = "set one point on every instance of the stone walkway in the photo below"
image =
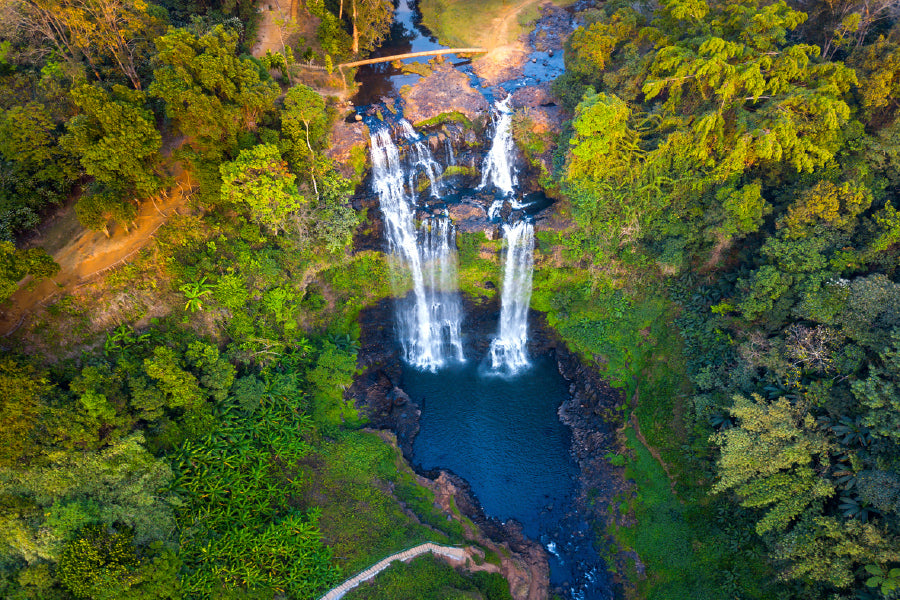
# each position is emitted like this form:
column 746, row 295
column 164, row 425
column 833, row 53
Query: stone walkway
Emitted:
column 459, row 554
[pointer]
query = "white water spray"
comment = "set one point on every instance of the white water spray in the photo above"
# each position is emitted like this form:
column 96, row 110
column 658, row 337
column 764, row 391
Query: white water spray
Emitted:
column 509, row 352
column 498, row 164
column 429, row 320
column 421, row 159
column 437, row 239
column 448, row 149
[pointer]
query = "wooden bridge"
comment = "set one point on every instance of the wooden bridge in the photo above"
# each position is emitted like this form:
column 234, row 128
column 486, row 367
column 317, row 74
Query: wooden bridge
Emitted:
column 372, row 61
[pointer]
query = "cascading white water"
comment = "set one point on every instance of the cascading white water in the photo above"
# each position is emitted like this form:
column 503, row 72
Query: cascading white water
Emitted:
column 498, row 169
column 509, row 353
column 420, row 159
column 429, row 320
column 437, row 239
column 448, row 150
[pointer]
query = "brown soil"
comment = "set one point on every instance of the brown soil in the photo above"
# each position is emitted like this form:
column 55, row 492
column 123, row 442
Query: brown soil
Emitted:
column 83, row 254
column 505, row 59
column 287, row 24
column 279, row 26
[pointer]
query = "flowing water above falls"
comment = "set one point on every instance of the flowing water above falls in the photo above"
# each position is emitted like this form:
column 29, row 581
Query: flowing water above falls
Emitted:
column 429, row 318
column 509, row 353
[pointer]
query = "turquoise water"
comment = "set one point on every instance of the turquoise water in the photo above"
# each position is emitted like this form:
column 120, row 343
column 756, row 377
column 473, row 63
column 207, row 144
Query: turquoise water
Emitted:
column 503, row 436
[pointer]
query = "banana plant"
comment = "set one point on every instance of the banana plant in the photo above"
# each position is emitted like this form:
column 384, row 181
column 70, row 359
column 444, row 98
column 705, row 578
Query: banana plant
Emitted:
column 194, row 292
column 887, row 580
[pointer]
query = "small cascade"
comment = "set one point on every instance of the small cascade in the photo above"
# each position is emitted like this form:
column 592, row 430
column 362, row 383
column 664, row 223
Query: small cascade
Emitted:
column 509, row 353
column 421, row 159
column 448, row 149
column 498, row 169
column 429, row 319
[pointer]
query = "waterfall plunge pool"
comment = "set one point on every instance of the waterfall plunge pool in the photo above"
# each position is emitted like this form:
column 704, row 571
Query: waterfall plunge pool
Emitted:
column 502, row 435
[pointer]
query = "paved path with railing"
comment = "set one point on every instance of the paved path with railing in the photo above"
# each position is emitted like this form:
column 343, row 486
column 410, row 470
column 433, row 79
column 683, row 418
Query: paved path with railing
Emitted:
column 449, row 551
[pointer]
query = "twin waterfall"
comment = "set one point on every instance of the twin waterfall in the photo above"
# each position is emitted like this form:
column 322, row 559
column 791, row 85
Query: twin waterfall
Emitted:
column 429, row 319
column 508, row 351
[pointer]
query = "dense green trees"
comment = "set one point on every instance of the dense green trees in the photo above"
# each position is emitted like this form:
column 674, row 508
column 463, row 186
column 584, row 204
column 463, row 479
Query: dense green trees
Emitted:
column 16, row 264
column 110, row 36
column 224, row 487
column 771, row 460
column 210, row 93
column 155, row 463
column 36, row 171
column 706, row 122
column 260, row 182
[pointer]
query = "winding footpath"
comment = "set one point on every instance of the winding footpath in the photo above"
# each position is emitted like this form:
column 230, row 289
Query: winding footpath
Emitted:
column 451, row 552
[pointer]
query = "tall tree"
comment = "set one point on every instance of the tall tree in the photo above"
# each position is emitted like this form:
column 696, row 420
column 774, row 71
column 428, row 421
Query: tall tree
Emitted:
column 772, row 460
column 16, row 264
column 118, row 31
column 371, row 20
column 260, row 182
column 210, row 93
column 22, row 392
column 116, row 139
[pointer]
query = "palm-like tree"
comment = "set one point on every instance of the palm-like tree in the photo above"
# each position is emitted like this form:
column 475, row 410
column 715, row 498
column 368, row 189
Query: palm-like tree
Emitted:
column 194, row 291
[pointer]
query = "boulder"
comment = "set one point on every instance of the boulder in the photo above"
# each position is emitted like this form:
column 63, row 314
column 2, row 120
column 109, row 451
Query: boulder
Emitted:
column 445, row 90
column 344, row 137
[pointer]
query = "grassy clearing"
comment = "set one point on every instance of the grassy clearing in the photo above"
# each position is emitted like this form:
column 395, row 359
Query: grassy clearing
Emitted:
column 690, row 545
column 362, row 519
column 461, row 22
column 691, row 551
column 429, row 578
column 471, row 22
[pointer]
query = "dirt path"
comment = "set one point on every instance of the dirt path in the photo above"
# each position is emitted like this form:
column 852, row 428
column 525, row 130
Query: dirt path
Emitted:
column 83, row 254
column 279, row 20
column 505, row 57
column 653, row 451
column 455, row 555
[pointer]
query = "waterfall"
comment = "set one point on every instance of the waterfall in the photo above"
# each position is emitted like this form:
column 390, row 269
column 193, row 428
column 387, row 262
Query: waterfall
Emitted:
column 429, row 319
column 437, row 241
column 421, row 160
column 508, row 350
column 448, row 149
column 498, row 167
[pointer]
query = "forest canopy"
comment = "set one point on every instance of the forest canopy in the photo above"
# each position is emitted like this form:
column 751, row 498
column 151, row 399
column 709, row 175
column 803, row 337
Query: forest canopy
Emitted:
column 743, row 154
